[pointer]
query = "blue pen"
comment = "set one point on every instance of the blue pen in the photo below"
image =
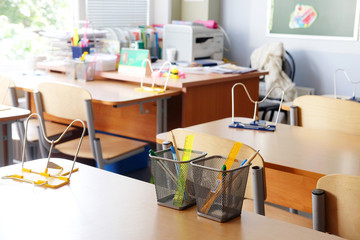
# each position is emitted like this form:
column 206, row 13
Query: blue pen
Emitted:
column 250, row 159
column 177, row 167
column 173, row 153
column 243, row 162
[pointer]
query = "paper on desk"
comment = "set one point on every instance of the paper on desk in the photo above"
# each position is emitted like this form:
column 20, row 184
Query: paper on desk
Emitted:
column 196, row 70
column 4, row 107
column 229, row 68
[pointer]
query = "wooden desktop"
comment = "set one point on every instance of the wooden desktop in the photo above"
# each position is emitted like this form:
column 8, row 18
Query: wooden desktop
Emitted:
column 197, row 99
column 295, row 157
column 205, row 97
column 8, row 115
column 102, row 205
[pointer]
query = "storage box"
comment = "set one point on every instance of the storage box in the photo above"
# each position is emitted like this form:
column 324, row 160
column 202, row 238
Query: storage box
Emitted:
column 130, row 164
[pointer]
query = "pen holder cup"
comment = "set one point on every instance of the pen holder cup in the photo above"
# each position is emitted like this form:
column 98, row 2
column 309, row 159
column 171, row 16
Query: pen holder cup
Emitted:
column 77, row 52
column 80, row 70
column 219, row 193
column 173, row 179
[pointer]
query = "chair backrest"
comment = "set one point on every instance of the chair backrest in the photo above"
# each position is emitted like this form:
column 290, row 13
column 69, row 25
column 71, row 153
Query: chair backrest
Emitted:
column 326, row 113
column 342, row 207
column 5, row 84
column 213, row 145
column 63, row 100
column 288, row 65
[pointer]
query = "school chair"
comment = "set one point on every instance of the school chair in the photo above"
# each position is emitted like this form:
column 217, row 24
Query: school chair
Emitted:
column 280, row 65
column 213, row 145
column 320, row 112
column 33, row 149
column 336, row 207
column 5, row 83
column 272, row 105
column 72, row 102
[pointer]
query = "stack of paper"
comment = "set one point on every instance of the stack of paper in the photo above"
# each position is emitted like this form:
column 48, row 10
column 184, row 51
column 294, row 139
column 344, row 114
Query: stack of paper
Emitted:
column 229, row 68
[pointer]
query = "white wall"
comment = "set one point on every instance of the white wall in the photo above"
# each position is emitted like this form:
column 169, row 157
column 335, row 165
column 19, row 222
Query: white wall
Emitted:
column 164, row 11
column 316, row 60
column 160, row 11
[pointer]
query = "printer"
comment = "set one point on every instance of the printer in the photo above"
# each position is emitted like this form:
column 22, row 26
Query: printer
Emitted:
column 193, row 42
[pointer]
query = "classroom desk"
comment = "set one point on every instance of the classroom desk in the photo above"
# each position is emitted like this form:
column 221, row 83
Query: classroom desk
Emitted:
column 8, row 115
column 295, row 157
column 114, row 103
column 207, row 97
column 102, row 205
column 204, row 97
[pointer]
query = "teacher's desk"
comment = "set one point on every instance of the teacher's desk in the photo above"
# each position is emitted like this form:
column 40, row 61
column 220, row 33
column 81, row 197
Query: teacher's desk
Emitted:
column 202, row 98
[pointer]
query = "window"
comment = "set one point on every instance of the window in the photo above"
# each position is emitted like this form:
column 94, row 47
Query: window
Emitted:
column 118, row 13
column 21, row 20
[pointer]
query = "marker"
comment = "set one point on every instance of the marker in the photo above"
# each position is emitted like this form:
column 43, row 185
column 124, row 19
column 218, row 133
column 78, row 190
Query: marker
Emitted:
column 75, row 37
column 243, row 162
column 152, row 153
column 224, row 169
column 173, row 152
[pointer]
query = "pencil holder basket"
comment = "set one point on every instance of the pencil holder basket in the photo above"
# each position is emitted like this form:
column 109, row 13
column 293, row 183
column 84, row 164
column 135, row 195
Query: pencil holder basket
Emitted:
column 77, row 52
column 173, row 179
column 219, row 193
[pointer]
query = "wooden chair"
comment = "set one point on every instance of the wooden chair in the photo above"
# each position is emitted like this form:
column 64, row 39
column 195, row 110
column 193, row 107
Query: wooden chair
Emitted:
column 72, row 102
column 5, row 83
column 213, row 145
column 10, row 98
column 321, row 112
column 336, row 207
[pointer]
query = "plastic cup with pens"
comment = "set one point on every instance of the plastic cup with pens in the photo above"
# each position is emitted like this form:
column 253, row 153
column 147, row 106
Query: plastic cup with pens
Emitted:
column 81, row 68
column 173, row 178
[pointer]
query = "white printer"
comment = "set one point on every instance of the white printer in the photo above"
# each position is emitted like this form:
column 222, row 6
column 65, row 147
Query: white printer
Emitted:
column 193, row 42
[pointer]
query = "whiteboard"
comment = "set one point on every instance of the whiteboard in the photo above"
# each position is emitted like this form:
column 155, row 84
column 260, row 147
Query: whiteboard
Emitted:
column 328, row 19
